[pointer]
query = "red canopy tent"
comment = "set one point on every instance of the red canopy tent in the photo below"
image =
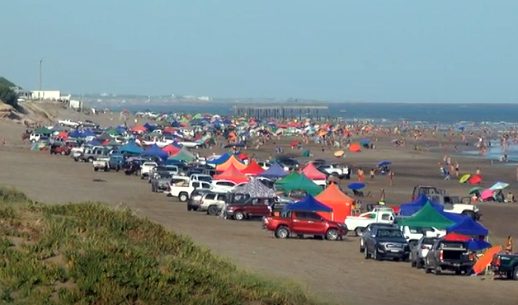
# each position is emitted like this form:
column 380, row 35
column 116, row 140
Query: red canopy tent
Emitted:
column 232, row 174
column 334, row 198
column 456, row 237
column 253, row 169
column 313, row 173
column 171, row 149
column 355, row 147
column 139, row 129
column 231, row 161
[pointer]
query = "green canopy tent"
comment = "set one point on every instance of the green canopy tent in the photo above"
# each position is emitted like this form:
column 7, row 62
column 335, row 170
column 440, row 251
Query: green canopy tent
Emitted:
column 43, row 131
column 298, row 182
column 183, row 155
column 428, row 216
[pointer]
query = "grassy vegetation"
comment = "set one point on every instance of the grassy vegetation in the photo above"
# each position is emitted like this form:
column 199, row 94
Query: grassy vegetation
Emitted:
column 89, row 254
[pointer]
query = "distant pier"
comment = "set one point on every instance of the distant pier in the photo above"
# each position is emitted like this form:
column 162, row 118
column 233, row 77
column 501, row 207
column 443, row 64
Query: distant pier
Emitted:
column 282, row 111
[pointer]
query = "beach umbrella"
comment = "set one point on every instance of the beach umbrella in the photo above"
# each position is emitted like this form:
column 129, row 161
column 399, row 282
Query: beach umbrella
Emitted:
column 356, row 186
column 339, row 153
column 384, row 163
column 475, row 179
column 355, row 147
column 499, row 186
column 475, row 190
column 486, row 194
column 464, row 178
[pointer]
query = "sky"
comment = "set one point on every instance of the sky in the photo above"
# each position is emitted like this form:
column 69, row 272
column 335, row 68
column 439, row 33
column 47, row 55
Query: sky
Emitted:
column 335, row 50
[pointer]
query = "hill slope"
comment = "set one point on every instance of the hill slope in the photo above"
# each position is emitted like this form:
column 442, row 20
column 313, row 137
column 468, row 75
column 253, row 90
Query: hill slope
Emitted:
column 89, row 254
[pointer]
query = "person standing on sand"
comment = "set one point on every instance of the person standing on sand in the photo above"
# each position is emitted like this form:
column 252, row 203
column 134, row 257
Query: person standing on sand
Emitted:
column 371, row 173
column 391, row 177
column 508, row 247
column 477, row 171
column 457, row 169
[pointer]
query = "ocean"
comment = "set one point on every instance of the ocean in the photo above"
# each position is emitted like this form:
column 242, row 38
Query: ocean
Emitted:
column 418, row 112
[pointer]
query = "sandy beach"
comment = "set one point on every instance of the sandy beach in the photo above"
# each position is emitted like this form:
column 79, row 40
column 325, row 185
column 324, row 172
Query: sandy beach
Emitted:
column 335, row 271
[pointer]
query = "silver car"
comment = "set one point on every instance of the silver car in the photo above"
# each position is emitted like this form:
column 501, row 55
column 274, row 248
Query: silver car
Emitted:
column 419, row 251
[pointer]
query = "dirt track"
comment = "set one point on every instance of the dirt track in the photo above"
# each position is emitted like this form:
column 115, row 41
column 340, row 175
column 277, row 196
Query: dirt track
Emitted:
column 336, row 271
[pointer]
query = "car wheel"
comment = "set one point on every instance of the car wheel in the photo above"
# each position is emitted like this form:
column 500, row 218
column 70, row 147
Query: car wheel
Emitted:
column 413, row 263
column 419, row 264
column 212, row 210
column 515, row 274
column 375, row 255
column 458, row 272
column 189, row 208
column 332, row 234
column 95, row 169
column 239, row 216
column 183, row 197
column 282, row 232
column 366, row 253
column 359, row 231
column 437, row 271
column 469, row 213
column 90, row 159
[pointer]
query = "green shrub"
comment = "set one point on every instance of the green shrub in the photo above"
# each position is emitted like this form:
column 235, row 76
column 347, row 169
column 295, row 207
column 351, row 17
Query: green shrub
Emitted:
column 89, row 254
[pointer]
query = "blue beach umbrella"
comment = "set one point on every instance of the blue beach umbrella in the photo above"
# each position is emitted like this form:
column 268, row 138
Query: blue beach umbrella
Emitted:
column 356, row 186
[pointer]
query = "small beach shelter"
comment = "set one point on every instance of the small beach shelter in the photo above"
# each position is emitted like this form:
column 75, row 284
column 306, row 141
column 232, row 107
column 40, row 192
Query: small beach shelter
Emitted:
column 486, row 194
column 313, row 173
column 464, row 178
column 171, row 149
column 255, row 188
column 155, row 151
column 334, row 198
column 253, row 169
column 231, row 161
column 428, row 216
column 469, row 227
column 275, row 171
column 183, row 155
column 308, row 204
column 486, row 259
column 499, row 186
column 298, row 182
column 475, row 179
column 231, row 173
column 131, row 148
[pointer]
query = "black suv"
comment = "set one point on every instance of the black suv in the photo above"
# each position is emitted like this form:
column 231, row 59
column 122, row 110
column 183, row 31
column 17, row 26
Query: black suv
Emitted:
column 384, row 243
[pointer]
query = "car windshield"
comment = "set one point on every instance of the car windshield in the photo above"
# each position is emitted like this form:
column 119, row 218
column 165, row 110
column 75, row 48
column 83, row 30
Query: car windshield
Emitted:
column 389, row 233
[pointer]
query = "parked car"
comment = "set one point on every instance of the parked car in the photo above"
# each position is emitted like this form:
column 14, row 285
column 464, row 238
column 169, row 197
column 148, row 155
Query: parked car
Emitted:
column 194, row 201
column 223, row 186
column 448, row 255
column 241, row 206
column 101, row 163
column 60, row 149
column 506, row 265
column 116, row 162
column 304, row 223
column 368, row 231
column 213, row 203
column 413, row 235
column 184, row 190
column 289, row 164
column 160, row 181
column 359, row 223
column 452, row 204
column 385, row 243
column 334, row 169
column 419, row 251
column 91, row 153
column 147, row 168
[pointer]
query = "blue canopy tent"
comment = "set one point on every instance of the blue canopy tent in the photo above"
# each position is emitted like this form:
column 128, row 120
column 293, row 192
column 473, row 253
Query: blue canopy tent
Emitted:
column 131, row 148
column 94, row 142
column 222, row 159
column 274, row 172
column 469, row 227
column 150, row 127
column 308, row 204
column 155, row 151
column 478, row 245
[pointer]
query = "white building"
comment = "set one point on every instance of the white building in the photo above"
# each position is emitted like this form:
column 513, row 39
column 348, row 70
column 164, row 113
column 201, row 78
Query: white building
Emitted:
column 53, row 95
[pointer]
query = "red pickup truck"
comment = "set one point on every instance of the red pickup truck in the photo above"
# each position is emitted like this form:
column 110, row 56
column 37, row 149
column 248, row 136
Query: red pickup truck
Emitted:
column 301, row 223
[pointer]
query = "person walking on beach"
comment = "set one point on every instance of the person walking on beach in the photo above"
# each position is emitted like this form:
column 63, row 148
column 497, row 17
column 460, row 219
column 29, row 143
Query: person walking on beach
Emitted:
column 508, row 247
column 391, row 177
column 371, row 173
column 457, row 169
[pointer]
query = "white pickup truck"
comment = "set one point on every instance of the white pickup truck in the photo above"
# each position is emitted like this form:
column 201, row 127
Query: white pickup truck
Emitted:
column 101, row 163
column 359, row 223
column 147, row 169
column 183, row 189
column 413, row 235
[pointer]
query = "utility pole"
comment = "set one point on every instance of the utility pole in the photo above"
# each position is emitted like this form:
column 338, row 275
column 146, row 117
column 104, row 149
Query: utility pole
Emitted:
column 41, row 81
